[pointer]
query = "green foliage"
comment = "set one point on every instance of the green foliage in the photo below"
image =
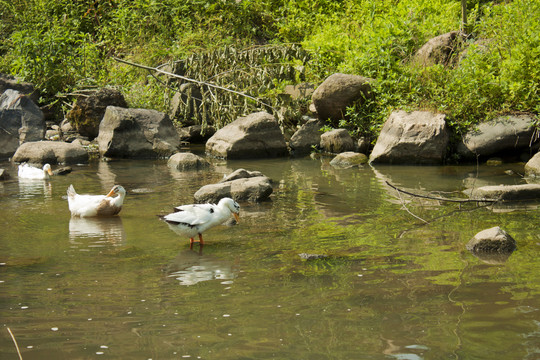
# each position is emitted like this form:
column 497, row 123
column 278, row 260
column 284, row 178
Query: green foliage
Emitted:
column 63, row 45
column 56, row 59
column 261, row 72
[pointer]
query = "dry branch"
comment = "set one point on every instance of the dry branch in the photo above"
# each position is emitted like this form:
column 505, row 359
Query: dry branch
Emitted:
column 15, row 342
column 155, row 69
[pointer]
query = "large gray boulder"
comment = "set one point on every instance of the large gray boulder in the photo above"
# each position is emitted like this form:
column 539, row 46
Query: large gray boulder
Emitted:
column 418, row 137
column 255, row 136
column 21, row 121
column 26, row 88
column 337, row 141
column 532, row 167
column 338, row 91
column 503, row 135
column 493, row 240
column 439, row 50
column 52, row 152
column 88, row 111
column 241, row 185
column 136, row 133
column 306, row 138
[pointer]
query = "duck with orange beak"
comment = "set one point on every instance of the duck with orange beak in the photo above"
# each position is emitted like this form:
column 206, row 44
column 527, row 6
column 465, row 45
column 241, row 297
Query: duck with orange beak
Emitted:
column 192, row 220
column 96, row 205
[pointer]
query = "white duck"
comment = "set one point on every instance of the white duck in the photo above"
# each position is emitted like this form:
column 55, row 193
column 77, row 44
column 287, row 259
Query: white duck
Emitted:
column 29, row 172
column 192, row 220
column 96, row 205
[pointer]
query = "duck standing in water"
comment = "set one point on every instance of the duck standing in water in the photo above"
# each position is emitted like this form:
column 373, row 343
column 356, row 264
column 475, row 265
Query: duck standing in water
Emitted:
column 96, row 205
column 193, row 220
column 29, row 172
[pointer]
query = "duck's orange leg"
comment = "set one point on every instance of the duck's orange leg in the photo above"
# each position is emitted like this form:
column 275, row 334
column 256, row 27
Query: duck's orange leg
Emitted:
column 191, row 243
column 201, row 240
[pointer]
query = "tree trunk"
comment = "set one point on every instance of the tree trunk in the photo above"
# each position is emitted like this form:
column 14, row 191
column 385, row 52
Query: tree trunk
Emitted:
column 464, row 16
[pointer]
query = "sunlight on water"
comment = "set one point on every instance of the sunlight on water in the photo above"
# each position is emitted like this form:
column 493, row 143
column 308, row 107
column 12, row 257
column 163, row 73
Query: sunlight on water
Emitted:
column 337, row 265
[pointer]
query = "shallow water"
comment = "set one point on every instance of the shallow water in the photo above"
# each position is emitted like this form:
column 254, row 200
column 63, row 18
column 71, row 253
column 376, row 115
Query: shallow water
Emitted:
column 392, row 285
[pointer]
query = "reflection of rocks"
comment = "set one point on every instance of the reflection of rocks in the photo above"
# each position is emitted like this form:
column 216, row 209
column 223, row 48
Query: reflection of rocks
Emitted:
column 4, row 175
column 105, row 175
column 416, row 179
column 190, row 267
column 96, row 232
column 492, row 259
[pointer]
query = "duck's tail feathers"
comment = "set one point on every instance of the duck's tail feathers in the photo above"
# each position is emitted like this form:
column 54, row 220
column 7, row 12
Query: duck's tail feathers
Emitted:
column 71, row 191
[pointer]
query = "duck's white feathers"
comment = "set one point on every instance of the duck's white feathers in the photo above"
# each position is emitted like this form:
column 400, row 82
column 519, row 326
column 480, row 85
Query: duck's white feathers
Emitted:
column 29, row 172
column 192, row 220
column 96, row 205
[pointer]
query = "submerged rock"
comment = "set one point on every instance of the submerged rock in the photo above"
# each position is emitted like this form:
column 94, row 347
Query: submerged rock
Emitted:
column 187, row 161
column 349, row 159
column 493, row 240
column 306, row 256
column 530, row 192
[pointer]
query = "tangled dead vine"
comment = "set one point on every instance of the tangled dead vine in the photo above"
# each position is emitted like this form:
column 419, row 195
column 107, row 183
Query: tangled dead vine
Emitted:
column 217, row 87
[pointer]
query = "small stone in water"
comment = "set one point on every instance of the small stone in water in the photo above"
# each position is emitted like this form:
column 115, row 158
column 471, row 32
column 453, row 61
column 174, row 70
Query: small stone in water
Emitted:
column 307, row 256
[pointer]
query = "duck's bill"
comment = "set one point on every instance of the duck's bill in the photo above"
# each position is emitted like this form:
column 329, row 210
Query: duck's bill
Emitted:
column 111, row 193
column 236, row 217
column 50, row 172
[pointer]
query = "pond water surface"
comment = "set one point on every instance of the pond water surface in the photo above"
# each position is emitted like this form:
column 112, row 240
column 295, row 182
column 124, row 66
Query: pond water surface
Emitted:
column 391, row 287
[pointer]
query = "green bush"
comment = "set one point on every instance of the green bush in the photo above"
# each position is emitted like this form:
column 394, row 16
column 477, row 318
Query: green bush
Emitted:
column 63, row 46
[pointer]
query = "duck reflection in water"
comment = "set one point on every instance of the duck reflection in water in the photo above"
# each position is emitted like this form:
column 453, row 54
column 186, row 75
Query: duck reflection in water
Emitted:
column 35, row 187
column 96, row 232
column 191, row 267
